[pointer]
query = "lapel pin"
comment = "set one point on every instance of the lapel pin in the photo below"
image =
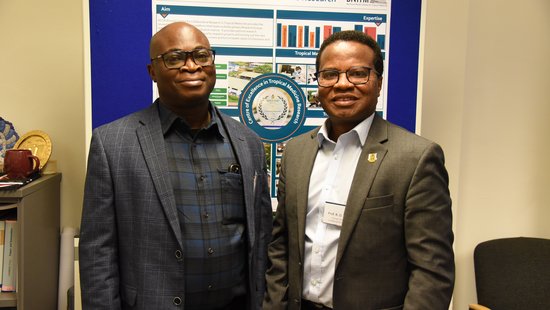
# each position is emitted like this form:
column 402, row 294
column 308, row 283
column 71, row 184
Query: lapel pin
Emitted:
column 372, row 157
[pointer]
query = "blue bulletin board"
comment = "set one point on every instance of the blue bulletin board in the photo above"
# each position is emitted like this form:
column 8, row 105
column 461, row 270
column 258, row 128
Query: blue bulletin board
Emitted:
column 286, row 38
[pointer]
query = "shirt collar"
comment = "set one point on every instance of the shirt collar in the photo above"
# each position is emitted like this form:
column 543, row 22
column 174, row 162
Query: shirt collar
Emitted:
column 168, row 119
column 361, row 131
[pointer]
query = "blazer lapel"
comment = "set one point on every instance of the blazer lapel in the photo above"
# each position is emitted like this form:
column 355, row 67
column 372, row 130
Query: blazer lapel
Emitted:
column 305, row 166
column 242, row 152
column 365, row 172
column 151, row 140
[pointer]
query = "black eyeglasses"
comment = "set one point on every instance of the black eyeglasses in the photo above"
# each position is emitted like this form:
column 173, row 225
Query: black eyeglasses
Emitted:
column 176, row 59
column 356, row 76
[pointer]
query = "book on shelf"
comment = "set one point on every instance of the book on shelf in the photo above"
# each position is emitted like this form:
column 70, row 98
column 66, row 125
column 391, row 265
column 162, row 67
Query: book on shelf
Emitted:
column 8, row 266
column 7, row 184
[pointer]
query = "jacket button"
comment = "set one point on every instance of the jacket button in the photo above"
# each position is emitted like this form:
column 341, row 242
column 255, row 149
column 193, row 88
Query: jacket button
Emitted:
column 177, row 301
column 178, row 254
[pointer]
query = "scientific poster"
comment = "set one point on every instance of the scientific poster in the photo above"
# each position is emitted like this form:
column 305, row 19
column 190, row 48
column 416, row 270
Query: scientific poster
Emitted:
column 265, row 58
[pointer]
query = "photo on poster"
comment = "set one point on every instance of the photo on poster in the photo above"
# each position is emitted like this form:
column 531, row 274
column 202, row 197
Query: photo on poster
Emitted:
column 280, row 148
column 240, row 73
column 297, row 72
column 312, row 99
column 310, row 72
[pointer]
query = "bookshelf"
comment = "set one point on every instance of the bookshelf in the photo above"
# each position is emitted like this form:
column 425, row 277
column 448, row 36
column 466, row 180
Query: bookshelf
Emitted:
column 37, row 205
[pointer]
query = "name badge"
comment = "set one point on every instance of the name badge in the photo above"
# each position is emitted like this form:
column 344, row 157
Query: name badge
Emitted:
column 334, row 213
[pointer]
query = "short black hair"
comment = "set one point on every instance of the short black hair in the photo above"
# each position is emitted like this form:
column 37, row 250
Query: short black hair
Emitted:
column 355, row 36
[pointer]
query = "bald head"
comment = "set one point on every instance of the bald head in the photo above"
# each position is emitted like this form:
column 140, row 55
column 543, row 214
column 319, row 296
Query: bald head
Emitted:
column 172, row 33
column 184, row 90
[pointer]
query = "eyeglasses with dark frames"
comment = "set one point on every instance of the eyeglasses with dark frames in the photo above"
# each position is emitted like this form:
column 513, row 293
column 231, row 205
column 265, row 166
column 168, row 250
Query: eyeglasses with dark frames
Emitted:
column 176, row 59
column 355, row 75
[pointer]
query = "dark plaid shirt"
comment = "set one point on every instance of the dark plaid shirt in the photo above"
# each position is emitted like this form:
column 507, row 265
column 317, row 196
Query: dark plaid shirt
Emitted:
column 210, row 200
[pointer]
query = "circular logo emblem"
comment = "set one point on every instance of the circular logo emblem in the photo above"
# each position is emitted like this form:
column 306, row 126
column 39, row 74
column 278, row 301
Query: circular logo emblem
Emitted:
column 273, row 105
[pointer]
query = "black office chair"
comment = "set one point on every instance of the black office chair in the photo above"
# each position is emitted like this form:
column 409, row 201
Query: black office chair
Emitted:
column 512, row 274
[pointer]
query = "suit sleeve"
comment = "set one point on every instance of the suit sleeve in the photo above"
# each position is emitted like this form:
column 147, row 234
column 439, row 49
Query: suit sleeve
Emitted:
column 277, row 273
column 428, row 234
column 98, row 254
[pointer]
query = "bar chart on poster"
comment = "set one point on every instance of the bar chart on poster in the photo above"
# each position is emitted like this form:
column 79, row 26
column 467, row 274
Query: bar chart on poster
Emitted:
column 265, row 59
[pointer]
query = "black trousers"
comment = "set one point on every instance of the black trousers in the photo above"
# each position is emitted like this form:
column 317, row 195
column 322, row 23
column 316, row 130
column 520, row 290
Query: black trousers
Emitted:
column 309, row 305
column 238, row 303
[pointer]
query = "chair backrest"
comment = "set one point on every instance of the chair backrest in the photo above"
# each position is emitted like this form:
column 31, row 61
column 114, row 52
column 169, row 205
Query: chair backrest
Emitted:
column 513, row 273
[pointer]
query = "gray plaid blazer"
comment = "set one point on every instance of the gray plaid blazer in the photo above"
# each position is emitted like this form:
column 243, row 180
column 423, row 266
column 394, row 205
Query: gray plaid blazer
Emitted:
column 130, row 239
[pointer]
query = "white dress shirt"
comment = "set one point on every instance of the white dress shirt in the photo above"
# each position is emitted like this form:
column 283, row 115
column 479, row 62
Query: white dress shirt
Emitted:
column 330, row 182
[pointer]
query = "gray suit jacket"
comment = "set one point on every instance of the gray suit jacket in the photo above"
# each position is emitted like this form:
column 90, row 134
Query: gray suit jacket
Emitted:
column 130, row 238
column 395, row 248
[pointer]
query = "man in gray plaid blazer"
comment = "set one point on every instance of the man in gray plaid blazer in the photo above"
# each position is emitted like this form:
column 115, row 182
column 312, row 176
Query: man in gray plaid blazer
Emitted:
column 177, row 213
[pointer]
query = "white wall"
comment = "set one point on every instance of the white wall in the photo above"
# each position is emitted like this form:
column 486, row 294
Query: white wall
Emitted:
column 486, row 99
column 41, row 85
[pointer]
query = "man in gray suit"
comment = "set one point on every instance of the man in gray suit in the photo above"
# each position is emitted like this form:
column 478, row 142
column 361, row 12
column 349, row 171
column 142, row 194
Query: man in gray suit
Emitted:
column 177, row 213
column 364, row 216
